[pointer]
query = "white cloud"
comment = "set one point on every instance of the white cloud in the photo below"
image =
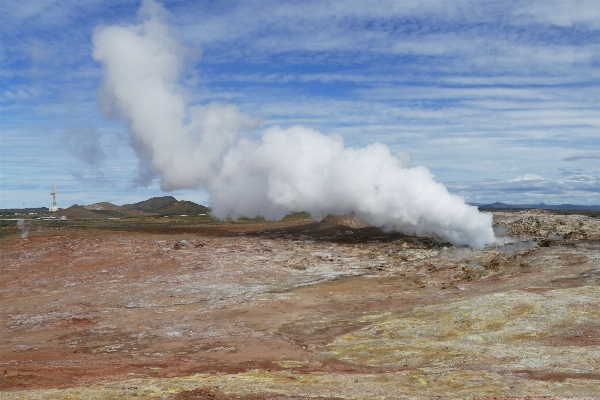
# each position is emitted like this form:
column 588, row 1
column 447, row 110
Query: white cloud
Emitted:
column 22, row 92
column 587, row 156
column 527, row 177
column 531, row 191
column 561, row 13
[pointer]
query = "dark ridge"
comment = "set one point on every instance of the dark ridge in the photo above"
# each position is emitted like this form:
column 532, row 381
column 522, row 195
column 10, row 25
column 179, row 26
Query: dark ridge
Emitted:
column 110, row 213
column 183, row 207
column 153, row 204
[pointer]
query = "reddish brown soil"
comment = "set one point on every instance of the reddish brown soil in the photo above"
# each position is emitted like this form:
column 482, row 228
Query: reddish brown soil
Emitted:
column 95, row 302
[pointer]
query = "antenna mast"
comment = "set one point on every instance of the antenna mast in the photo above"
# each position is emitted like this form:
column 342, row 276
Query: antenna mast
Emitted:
column 54, row 207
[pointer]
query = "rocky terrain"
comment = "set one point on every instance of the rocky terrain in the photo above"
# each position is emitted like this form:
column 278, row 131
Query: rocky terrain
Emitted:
column 184, row 308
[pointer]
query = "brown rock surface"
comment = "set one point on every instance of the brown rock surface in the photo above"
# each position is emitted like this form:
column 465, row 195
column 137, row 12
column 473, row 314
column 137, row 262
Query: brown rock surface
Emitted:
column 186, row 309
column 351, row 220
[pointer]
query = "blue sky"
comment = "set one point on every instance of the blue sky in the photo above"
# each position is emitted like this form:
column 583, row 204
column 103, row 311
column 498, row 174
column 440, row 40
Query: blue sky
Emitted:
column 500, row 100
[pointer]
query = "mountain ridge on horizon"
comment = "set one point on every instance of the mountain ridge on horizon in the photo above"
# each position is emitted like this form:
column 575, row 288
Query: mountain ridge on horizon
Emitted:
column 159, row 204
column 540, row 206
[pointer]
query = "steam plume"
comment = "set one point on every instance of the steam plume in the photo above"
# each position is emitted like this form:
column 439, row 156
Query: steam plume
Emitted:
column 291, row 169
column 85, row 144
column 24, row 229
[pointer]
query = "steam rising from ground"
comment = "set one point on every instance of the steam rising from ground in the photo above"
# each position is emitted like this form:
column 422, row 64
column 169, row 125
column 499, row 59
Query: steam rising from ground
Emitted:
column 291, row 169
column 24, row 229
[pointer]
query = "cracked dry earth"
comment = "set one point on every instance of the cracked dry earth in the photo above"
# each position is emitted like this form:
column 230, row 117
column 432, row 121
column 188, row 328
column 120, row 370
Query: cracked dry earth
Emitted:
column 296, row 310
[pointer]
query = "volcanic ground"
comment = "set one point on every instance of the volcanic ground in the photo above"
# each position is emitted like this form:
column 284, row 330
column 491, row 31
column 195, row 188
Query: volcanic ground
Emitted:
column 191, row 308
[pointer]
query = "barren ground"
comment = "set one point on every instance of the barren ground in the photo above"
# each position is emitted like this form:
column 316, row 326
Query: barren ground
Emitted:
column 189, row 309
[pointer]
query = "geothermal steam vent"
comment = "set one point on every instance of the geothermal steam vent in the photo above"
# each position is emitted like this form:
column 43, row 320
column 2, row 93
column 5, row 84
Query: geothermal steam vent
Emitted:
column 292, row 169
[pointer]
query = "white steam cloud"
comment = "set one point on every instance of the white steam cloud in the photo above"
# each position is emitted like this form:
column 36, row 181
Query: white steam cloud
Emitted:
column 24, row 229
column 292, row 169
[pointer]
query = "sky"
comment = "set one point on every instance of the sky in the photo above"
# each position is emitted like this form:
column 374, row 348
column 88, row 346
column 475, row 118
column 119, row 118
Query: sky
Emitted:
column 499, row 100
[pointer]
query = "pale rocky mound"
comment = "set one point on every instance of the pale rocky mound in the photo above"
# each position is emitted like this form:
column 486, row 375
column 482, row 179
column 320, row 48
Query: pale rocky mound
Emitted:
column 544, row 226
column 103, row 205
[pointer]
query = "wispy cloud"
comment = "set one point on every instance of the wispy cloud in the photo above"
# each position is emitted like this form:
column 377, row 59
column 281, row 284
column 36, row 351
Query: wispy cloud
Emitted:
column 582, row 157
column 584, row 188
column 584, row 14
column 22, row 92
column 527, row 178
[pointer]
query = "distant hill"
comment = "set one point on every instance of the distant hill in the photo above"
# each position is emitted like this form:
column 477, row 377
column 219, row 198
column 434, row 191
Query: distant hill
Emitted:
column 111, row 210
column 116, row 213
column 183, row 207
column 167, row 205
column 104, row 205
column 151, row 205
column 541, row 206
column 78, row 212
